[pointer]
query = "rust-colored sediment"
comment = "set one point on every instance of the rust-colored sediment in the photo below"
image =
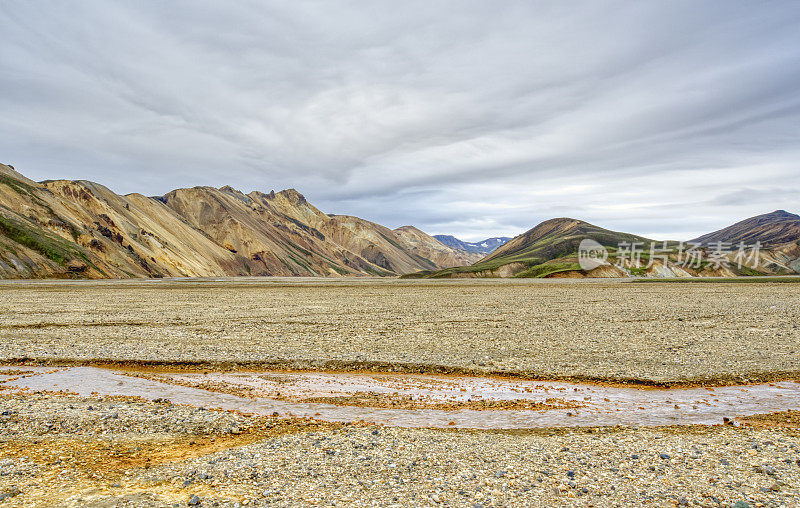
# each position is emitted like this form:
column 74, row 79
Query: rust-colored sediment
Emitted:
column 333, row 367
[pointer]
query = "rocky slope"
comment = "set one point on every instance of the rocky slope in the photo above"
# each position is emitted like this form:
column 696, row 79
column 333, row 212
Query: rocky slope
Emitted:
column 431, row 248
column 777, row 228
column 82, row 229
column 483, row 247
column 778, row 232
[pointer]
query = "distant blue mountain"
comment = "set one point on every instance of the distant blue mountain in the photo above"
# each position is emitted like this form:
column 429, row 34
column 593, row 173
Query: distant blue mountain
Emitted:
column 485, row 247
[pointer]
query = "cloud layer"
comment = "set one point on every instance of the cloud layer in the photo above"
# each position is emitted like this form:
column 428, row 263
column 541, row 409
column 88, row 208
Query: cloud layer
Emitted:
column 666, row 119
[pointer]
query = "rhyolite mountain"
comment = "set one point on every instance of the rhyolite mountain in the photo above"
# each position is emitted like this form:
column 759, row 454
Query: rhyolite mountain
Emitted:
column 63, row 228
column 483, row 247
column 776, row 228
column 550, row 250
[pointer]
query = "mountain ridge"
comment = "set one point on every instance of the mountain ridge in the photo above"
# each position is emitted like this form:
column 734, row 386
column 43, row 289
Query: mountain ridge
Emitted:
column 550, row 249
column 78, row 228
column 774, row 228
column 482, row 247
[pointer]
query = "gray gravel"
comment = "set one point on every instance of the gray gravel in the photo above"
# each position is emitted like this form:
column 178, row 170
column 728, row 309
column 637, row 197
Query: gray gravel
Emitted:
column 412, row 467
column 619, row 331
column 297, row 463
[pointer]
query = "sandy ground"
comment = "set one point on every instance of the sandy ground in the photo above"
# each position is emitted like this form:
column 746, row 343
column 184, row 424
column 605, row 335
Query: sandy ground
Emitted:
column 618, row 331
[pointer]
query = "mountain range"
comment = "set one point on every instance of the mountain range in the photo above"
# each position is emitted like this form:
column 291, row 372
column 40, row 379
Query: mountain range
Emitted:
column 551, row 250
column 81, row 229
column 483, row 247
column 63, row 228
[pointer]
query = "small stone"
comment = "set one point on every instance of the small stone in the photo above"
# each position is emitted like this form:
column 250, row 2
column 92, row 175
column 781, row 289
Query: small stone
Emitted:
column 664, row 456
column 765, row 469
column 12, row 492
column 194, row 501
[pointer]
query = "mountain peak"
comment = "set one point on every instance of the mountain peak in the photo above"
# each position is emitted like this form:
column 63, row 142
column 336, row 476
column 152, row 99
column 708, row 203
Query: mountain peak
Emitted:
column 554, row 238
column 781, row 214
column 293, row 195
column 407, row 228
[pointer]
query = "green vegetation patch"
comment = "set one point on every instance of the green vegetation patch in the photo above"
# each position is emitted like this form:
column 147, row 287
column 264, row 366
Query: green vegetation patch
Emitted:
column 301, row 263
column 378, row 272
column 20, row 187
column 545, row 269
column 423, row 260
column 338, row 269
column 391, row 241
column 53, row 248
column 293, row 246
column 746, row 270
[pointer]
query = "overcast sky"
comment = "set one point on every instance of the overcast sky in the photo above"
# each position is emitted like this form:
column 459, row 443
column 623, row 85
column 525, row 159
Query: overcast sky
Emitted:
column 667, row 119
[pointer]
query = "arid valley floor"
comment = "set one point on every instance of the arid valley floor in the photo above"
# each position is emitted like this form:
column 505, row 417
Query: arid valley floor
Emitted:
column 218, row 392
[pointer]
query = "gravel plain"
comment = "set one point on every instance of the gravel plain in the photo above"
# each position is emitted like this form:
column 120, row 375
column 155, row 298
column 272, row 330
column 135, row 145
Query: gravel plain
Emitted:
column 660, row 333
column 58, row 449
column 61, row 449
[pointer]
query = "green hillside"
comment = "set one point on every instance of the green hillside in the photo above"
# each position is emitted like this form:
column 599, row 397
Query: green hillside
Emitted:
column 550, row 247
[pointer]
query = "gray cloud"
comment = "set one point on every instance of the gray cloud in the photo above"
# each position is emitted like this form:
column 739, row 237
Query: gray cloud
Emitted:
column 658, row 118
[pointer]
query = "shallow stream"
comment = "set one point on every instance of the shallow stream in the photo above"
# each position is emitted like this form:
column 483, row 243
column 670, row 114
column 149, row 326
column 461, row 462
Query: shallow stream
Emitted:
column 286, row 394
